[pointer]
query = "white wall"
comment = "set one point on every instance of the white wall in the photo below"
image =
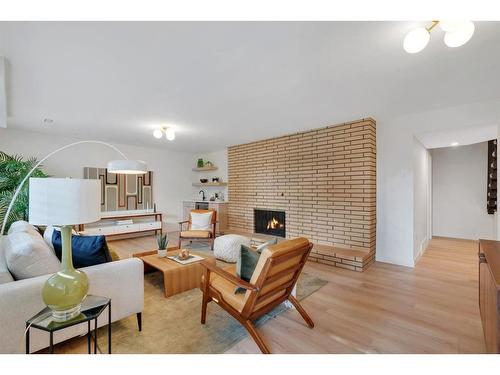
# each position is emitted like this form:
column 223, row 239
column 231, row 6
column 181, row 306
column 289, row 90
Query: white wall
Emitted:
column 172, row 170
column 395, row 173
column 459, row 188
column 422, row 187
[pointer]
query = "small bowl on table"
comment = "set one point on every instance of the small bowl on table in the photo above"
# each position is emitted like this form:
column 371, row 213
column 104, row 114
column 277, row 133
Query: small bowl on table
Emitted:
column 203, row 180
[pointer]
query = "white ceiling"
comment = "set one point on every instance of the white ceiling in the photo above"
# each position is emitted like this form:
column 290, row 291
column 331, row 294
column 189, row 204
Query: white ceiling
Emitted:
column 463, row 137
column 224, row 83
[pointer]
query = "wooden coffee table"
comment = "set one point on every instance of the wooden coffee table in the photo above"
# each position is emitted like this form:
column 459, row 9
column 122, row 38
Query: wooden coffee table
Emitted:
column 177, row 278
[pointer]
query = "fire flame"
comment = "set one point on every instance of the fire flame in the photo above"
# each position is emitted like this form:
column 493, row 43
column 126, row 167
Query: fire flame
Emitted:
column 273, row 224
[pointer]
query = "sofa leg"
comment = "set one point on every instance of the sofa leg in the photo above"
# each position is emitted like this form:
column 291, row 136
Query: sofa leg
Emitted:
column 139, row 321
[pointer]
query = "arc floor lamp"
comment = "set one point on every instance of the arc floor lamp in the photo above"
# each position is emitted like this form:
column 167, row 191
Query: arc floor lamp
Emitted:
column 66, row 202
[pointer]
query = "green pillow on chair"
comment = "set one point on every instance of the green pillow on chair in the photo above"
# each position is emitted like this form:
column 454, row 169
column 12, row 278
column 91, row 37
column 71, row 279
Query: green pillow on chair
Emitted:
column 262, row 246
column 245, row 265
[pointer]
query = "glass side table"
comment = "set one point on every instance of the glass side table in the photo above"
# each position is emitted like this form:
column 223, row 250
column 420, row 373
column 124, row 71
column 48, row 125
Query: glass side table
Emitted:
column 92, row 307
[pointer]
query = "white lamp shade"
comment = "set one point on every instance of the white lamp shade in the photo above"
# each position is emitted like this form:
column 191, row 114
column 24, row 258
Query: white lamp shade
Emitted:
column 64, row 201
column 125, row 166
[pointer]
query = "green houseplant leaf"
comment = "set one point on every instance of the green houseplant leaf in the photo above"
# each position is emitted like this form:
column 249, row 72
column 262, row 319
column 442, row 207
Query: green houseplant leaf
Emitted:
column 12, row 171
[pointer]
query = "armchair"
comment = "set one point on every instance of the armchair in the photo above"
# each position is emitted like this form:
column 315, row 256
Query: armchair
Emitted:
column 272, row 282
column 198, row 234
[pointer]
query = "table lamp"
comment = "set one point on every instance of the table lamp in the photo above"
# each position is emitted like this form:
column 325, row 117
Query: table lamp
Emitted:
column 64, row 202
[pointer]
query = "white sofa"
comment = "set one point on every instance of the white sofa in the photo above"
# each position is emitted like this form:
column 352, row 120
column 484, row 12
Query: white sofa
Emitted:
column 122, row 281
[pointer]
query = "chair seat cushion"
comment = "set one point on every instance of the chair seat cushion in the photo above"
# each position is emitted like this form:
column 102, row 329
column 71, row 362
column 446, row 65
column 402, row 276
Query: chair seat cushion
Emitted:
column 196, row 234
column 226, row 289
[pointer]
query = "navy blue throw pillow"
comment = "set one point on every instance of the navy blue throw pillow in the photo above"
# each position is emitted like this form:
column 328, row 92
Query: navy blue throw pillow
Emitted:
column 87, row 250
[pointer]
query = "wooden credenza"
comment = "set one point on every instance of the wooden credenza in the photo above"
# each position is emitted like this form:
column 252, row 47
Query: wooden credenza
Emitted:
column 140, row 223
column 489, row 293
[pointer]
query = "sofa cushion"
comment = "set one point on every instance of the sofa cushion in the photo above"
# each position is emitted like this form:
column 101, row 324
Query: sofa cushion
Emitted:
column 87, row 250
column 27, row 255
column 23, row 226
column 5, row 276
column 47, row 235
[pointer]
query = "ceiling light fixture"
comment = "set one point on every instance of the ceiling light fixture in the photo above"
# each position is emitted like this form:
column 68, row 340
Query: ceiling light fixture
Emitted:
column 170, row 134
column 158, row 133
column 453, row 144
column 457, row 33
column 167, row 130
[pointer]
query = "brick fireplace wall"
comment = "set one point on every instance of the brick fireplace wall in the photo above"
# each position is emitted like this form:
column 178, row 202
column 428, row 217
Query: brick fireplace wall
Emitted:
column 325, row 181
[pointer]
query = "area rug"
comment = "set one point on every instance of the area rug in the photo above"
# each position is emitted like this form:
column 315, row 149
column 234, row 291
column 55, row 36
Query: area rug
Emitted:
column 172, row 325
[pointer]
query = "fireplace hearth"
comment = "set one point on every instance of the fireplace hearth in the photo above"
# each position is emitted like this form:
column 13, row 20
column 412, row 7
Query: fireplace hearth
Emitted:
column 270, row 222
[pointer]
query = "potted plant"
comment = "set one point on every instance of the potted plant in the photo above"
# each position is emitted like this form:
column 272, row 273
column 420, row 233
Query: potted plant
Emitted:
column 162, row 240
column 13, row 169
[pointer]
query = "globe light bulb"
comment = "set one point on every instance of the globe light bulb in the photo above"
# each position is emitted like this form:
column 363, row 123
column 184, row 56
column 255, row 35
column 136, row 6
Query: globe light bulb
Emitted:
column 170, row 134
column 416, row 40
column 461, row 34
column 157, row 133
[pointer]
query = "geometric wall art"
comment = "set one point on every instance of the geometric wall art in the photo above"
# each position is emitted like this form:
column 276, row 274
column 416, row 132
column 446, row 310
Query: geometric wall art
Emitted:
column 120, row 192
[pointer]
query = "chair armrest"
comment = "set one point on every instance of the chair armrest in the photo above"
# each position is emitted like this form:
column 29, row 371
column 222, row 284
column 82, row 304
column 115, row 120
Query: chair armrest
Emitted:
column 184, row 221
column 229, row 277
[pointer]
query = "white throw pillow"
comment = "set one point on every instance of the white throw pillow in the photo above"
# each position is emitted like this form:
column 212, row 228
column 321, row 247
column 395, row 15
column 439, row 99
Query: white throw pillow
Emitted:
column 201, row 221
column 27, row 255
column 22, row 226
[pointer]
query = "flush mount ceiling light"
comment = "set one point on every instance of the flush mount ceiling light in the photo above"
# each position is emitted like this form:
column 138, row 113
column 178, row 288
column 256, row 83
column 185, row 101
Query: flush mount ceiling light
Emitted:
column 167, row 130
column 457, row 33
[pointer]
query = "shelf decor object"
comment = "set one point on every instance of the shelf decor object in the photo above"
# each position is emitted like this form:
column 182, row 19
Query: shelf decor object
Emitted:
column 200, row 163
column 66, row 202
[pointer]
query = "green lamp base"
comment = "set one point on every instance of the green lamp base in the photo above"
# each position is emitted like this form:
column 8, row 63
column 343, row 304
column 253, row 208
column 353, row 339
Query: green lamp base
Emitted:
column 64, row 291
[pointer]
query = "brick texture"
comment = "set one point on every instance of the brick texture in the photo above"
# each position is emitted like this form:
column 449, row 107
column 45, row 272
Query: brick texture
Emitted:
column 325, row 180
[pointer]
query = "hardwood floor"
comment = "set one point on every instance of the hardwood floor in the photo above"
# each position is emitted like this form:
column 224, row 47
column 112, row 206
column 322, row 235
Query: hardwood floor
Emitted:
column 432, row 308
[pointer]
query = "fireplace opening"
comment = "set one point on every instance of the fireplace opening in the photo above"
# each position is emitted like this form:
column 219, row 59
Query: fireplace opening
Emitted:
column 269, row 222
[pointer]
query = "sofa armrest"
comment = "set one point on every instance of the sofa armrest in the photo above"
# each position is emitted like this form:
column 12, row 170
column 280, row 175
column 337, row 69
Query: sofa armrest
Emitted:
column 122, row 281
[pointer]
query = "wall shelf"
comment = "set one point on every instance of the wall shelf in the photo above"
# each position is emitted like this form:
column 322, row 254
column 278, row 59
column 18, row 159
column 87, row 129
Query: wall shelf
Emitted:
column 204, row 169
column 199, row 184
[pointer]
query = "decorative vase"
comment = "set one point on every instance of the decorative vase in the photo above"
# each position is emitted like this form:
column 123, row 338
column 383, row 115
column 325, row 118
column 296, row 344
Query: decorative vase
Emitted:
column 200, row 163
column 64, row 291
column 162, row 253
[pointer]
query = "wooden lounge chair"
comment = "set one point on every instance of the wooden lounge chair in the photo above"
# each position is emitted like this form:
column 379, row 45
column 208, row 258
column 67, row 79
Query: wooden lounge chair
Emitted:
column 272, row 282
